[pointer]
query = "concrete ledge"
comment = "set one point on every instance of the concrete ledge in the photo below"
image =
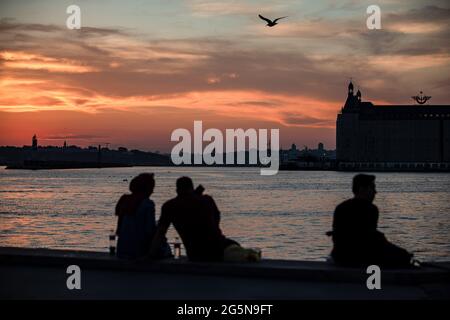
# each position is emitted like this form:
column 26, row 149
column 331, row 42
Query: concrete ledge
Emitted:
column 268, row 268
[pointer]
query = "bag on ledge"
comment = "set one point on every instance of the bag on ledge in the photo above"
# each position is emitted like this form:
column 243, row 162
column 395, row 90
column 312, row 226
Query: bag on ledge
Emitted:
column 236, row 253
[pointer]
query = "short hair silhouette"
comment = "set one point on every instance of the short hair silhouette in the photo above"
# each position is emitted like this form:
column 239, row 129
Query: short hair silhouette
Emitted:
column 362, row 181
column 145, row 182
column 184, row 184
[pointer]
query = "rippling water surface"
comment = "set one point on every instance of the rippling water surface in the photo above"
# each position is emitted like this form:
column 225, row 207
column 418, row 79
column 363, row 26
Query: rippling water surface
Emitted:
column 285, row 215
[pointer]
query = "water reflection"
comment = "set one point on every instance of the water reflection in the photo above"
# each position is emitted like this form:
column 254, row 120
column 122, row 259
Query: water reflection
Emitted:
column 286, row 215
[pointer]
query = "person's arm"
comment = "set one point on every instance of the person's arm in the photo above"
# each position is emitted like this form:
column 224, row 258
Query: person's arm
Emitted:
column 373, row 224
column 119, row 214
column 214, row 209
column 161, row 230
column 337, row 217
column 373, row 217
column 149, row 218
column 213, row 215
column 119, row 222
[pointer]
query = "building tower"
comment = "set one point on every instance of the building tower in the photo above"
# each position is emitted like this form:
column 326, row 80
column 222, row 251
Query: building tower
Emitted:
column 34, row 143
column 320, row 147
column 350, row 89
column 358, row 95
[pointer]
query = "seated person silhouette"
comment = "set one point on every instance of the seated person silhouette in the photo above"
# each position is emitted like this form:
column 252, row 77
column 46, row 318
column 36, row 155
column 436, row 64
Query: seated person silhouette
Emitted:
column 136, row 224
column 357, row 242
column 196, row 219
column 212, row 206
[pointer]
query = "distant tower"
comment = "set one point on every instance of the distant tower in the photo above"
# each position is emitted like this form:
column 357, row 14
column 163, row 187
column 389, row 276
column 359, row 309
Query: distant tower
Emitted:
column 358, row 95
column 320, row 150
column 34, row 143
column 320, row 147
column 353, row 101
column 65, row 144
column 350, row 89
column 292, row 153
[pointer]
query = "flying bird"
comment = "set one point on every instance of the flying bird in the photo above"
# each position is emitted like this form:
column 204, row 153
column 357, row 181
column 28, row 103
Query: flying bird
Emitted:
column 270, row 23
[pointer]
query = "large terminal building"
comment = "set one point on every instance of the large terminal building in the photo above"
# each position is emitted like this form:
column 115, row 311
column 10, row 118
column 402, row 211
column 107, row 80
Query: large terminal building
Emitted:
column 392, row 137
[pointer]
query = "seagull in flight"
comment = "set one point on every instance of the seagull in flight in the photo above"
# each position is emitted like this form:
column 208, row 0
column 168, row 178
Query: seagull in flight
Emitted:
column 270, row 23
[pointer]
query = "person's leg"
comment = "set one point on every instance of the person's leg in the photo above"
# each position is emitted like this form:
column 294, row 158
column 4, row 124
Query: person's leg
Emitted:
column 393, row 256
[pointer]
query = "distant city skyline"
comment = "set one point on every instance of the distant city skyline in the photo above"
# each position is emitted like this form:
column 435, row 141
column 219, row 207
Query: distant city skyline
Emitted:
column 138, row 70
column 64, row 143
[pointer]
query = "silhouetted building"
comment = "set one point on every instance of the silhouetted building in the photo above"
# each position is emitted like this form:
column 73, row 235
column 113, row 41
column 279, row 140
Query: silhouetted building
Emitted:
column 34, row 143
column 392, row 135
column 320, row 150
column 99, row 154
column 307, row 159
column 293, row 153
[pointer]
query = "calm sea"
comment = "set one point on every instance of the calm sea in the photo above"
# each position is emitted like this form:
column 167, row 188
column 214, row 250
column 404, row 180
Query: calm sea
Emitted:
column 285, row 215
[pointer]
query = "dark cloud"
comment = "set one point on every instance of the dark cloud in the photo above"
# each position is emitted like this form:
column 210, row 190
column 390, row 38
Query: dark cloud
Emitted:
column 296, row 120
column 8, row 24
column 257, row 103
column 72, row 136
column 425, row 14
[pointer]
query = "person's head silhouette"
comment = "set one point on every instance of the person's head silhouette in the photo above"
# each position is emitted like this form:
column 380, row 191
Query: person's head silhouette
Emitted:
column 364, row 186
column 143, row 184
column 185, row 186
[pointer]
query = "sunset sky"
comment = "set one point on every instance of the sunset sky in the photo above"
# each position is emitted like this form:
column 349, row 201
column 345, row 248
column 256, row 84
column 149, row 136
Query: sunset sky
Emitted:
column 137, row 70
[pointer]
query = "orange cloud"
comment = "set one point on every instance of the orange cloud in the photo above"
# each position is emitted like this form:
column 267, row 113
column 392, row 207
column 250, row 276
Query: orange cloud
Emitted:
column 418, row 27
column 23, row 60
column 403, row 63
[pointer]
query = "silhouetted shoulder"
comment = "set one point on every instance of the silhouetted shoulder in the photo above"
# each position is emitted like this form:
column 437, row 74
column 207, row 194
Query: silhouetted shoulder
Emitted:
column 167, row 210
column 345, row 205
column 358, row 213
column 211, row 206
column 123, row 198
column 122, row 204
column 355, row 203
column 148, row 203
column 169, row 204
column 208, row 199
